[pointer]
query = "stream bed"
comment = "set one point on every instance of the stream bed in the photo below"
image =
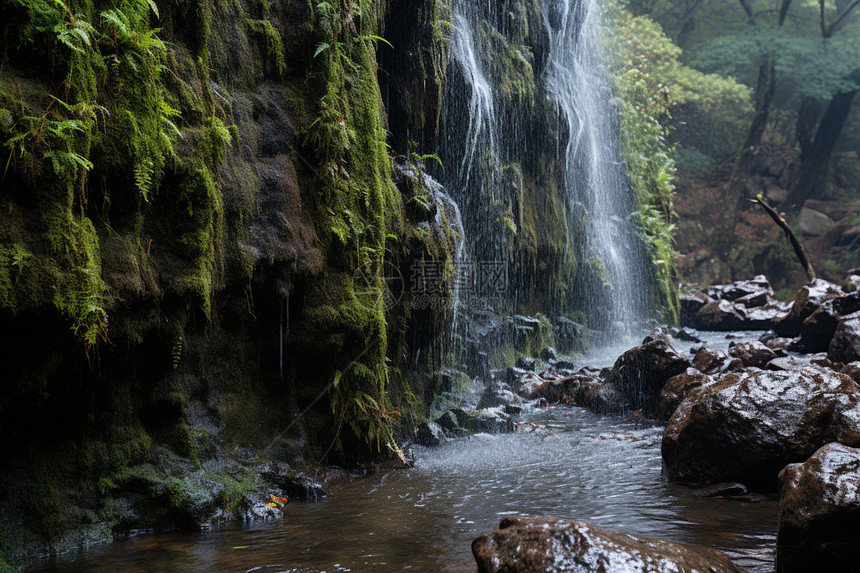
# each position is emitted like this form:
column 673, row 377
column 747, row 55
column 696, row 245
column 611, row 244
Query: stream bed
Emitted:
column 563, row 461
column 571, row 464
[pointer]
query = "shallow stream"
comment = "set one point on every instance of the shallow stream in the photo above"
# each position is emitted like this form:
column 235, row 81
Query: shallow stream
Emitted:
column 565, row 462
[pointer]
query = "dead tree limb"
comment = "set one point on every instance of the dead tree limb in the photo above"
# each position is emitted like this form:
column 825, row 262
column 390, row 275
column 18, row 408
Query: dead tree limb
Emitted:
column 795, row 242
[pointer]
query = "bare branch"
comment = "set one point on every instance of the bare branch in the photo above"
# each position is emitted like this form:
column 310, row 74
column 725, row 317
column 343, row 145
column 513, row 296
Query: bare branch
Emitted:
column 795, row 242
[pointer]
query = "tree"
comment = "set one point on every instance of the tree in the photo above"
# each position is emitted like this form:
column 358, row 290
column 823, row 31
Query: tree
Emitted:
column 764, row 90
column 815, row 153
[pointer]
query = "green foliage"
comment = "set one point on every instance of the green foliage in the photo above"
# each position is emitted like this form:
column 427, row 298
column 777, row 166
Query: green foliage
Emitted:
column 816, row 67
column 710, row 111
column 645, row 101
column 359, row 209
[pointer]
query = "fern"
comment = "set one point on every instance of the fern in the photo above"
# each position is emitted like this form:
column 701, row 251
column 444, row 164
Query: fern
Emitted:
column 176, row 353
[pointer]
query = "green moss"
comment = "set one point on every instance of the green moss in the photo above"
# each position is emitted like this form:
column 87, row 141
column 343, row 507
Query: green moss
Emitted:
column 509, row 66
column 271, row 46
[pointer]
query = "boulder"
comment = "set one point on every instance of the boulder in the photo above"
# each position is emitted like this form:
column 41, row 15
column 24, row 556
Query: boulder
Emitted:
column 715, row 361
column 724, row 315
column 814, row 222
column 753, row 354
column 564, row 365
column 852, row 281
column 429, row 434
column 526, row 363
column 678, row 388
column 548, row 354
column 757, row 287
column 522, row 381
column 640, row 373
column 747, row 426
column 807, row 300
column 818, row 328
column 687, row 336
column 819, row 513
column 720, row 315
column 845, row 344
column 779, row 343
column 527, row 544
column 691, row 302
column 498, row 394
column 852, row 370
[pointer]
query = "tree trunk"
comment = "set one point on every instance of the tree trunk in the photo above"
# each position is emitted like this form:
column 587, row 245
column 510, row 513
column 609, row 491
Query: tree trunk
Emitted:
column 813, row 167
column 807, row 116
column 764, row 89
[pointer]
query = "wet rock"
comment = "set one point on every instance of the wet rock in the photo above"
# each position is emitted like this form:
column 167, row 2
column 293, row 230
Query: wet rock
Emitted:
column 779, row 343
column 845, row 344
column 492, row 420
column 819, row 513
column 752, row 354
column 296, row 485
column 691, row 303
column 429, row 434
column 723, row 489
column 570, row 335
column 852, row 370
column 755, row 300
column 787, row 363
column 678, row 388
column 746, row 427
column 715, row 361
column 528, row 544
column 818, row 329
column 548, row 354
column 851, row 282
column 639, row 374
column 719, row 315
column 758, row 286
column 807, row 300
column 550, row 390
column 498, row 394
column 564, row 365
column 661, row 335
column 526, row 363
column 448, row 421
column 443, row 382
column 487, row 420
column 762, row 318
column 523, row 382
column 687, row 336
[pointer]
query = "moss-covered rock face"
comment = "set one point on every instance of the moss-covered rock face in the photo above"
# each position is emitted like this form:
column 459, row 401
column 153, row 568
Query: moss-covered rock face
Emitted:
column 189, row 190
column 198, row 212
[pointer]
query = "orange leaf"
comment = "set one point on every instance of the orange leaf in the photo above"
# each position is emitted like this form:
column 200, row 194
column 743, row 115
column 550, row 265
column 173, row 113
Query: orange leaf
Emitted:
column 280, row 500
column 270, row 504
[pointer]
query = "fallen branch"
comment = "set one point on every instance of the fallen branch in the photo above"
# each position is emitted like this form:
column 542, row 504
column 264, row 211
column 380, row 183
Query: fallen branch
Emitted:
column 795, row 242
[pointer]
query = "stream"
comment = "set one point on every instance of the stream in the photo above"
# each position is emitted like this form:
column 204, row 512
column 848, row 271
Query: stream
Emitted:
column 563, row 461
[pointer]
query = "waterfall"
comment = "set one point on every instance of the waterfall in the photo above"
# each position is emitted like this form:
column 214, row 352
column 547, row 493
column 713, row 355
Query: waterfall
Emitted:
column 595, row 176
column 552, row 131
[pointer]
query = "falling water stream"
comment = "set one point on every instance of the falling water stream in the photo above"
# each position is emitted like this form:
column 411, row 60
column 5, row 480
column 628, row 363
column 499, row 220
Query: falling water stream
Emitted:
column 595, row 175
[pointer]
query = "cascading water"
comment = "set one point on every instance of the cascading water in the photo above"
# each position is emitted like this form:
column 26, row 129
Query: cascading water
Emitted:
column 529, row 119
column 595, row 176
